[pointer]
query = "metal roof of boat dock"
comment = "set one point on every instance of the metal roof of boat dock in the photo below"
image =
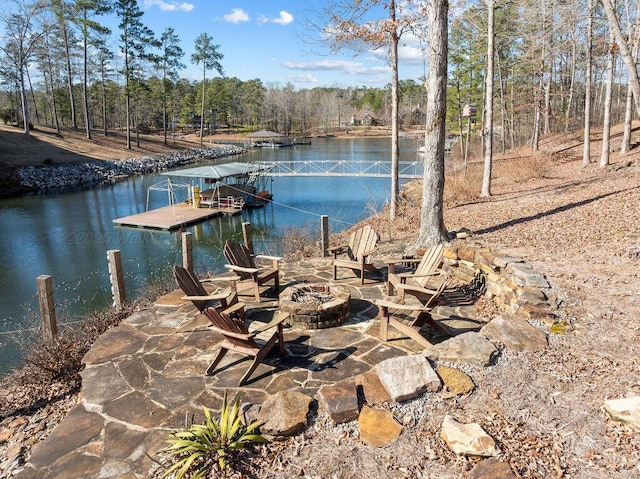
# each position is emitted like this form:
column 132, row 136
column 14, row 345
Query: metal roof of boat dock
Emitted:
column 219, row 171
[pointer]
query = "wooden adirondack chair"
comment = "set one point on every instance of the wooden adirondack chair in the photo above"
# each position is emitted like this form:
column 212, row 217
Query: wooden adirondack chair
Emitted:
column 362, row 243
column 427, row 268
column 227, row 301
column 411, row 325
column 243, row 264
column 238, row 338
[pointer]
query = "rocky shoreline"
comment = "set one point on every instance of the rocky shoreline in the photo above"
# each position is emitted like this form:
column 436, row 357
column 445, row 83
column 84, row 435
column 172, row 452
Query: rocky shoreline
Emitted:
column 54, row 178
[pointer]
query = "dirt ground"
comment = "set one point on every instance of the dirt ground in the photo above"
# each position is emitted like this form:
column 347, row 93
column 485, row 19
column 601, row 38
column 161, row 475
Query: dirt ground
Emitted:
column 581, row 228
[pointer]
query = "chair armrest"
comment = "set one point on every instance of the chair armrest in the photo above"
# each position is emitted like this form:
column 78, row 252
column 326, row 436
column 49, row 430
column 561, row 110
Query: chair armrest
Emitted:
column 270, row 258
column 402, row 260
column 336, row 250
column 416, row 275
column 209, row 297
column 231, row 334
column 369, row 253
column 403, row 307
column 221, row 278
column 241, row 269
column 278, row 318
column 410, row 288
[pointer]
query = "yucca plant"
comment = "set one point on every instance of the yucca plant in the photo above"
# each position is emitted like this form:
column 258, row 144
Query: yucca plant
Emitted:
column 199, row 447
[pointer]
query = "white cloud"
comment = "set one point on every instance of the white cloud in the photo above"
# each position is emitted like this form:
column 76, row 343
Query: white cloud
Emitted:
column 285, row 18
column 237, row 15
column 303, row 78
column 351, row 68
column 168, row 5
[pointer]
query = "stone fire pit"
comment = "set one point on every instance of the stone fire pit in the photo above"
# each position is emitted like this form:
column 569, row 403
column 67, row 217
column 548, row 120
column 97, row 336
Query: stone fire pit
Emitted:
column 315, row 305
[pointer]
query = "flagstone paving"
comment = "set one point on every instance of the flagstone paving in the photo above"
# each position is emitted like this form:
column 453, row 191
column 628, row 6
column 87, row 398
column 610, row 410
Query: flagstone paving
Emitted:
column 145, row 377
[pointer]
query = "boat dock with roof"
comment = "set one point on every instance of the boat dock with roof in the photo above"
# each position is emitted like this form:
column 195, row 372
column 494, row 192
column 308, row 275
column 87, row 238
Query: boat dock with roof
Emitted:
column 222, row 189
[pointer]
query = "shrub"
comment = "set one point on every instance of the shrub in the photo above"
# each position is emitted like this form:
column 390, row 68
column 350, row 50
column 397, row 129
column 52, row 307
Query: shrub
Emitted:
column 199, row 447
column 524, row 169
column 299, row 242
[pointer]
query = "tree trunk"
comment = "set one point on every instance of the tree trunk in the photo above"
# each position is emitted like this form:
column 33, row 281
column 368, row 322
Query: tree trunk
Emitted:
column 629, row 62
column 204, row 82
column 432, row 229
column 23, row 101
column 487, row 127
column 567, row 113
column 85, row 80
column 395, row 149
column 33, row 97
column 586, row 150
column 67, row 54
column 606, row 122
column 52, row 87
column 625, row 146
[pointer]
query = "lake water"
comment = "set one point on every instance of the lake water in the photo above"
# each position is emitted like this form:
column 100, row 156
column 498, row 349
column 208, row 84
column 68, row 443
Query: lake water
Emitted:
column 67, row 236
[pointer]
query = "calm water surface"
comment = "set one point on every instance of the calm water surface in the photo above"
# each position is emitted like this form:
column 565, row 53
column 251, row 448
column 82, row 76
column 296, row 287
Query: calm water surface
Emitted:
column 68, row 235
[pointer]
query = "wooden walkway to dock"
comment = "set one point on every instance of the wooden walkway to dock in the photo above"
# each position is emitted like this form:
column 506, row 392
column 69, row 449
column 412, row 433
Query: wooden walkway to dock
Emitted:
column 173, row 217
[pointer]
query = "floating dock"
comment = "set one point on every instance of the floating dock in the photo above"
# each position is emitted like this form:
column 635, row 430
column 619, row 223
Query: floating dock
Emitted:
column 173, row 217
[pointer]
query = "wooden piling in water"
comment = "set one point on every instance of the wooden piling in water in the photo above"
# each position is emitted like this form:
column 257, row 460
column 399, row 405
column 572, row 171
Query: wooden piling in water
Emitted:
column 47, row 306
column 187, row 251
column 324, row 233
column 117, row 278
column 246, row 233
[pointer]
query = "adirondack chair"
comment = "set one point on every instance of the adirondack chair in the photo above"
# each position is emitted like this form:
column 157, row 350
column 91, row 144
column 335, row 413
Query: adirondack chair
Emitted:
column 243, row 264
column 227, row 301
column 414, row 316
column 362, row 243
column 427, row 268
column 238, row 338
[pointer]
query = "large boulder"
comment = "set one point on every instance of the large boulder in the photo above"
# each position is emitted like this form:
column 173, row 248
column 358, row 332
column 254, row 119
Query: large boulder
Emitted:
column 284, row 413
column 406, row 377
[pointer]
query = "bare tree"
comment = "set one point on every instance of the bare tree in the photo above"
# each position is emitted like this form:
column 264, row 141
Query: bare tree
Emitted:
column 487, row 127
column 625, row 52
column 348, row 28
column 432, row 229
column 91, row 35
column 606, row 121
column 21, row 41
column 586, row 151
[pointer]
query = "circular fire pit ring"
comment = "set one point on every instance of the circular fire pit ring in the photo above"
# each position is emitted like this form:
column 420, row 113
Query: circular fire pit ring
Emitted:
column 315, row 305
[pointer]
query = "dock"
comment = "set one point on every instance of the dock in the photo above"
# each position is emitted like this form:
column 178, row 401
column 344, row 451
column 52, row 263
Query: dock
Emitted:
column 173, row 217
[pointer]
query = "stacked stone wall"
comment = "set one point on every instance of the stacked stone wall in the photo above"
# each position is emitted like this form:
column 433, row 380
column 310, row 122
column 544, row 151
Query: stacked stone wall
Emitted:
column 509, row 281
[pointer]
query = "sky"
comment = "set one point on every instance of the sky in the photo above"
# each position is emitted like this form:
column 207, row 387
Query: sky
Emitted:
column 265, row 39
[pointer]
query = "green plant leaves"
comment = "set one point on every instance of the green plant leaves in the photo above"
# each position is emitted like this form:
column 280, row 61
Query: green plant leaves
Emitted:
column 197, row 449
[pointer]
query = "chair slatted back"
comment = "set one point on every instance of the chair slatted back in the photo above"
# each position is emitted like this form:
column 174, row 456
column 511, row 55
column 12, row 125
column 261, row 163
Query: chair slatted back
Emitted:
column 190, row 285
column 430, row 262
column 362, row 241
column 226, row 324
column 239, row 255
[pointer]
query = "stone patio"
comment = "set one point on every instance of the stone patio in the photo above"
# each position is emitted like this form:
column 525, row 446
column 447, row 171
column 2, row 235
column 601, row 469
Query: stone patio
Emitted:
column 145, row 377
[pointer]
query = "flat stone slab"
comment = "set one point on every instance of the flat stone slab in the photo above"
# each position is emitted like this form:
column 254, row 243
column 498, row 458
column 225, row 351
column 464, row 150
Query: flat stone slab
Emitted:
column 406, row 377
column 515, row 334
column 77, row 429
column 340, row 400
column 470, row 348
column 378, row 428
